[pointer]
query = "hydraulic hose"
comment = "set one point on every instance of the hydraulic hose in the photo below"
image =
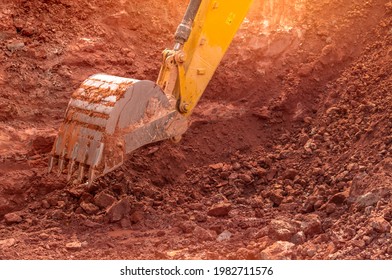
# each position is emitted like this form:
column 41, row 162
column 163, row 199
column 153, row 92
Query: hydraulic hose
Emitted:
column 185, row 27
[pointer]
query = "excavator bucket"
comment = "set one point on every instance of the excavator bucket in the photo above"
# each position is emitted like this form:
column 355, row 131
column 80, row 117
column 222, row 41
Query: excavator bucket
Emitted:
column 107, row 118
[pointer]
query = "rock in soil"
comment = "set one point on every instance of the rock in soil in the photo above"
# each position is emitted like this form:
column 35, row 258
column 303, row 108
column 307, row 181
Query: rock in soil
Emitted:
column 280, row 250
column 89, row 208
column 380, row 225
column 73, row 246
column 282, row 230
column 118, row 210
column 298, row 238
column 339, row 198
column 104, row 200
column 311, row 225
column 7, row 243
column 366, row 200
column 225, row 235
column 204, row 234
column 220, row 210
column 12, row 218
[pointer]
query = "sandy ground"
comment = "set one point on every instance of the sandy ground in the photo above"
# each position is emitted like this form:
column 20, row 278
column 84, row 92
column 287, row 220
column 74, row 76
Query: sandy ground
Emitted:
column 288, row 155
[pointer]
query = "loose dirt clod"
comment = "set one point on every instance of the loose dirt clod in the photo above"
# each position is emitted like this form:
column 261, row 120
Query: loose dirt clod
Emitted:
column 12, row 218
column 380, row 225
column 281, row 250
column 118, row 210
column 73, row 246
column 220, row 210
column 7, row 243
column 104, row 200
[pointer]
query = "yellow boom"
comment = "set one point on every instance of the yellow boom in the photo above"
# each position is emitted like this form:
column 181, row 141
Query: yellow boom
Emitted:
column 214, row 27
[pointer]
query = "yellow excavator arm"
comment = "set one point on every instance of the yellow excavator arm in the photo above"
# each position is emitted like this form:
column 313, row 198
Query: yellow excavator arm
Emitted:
column 109, row 117
column 214, row 27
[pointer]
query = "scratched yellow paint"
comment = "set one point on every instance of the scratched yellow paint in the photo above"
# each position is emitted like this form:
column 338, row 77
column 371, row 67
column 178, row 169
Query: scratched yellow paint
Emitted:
column 214, row 28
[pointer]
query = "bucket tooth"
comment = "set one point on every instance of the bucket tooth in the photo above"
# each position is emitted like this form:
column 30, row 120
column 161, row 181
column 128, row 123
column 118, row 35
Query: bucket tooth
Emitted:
column 81, row 173
column 51, row 162
column 91, row 175
column 61, row 166
column 71, row 166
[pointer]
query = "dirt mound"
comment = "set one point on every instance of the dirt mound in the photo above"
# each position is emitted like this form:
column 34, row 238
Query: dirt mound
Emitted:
column 288, row 155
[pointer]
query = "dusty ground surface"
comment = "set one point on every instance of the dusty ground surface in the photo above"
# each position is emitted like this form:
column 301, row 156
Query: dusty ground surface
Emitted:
column 288, row 155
